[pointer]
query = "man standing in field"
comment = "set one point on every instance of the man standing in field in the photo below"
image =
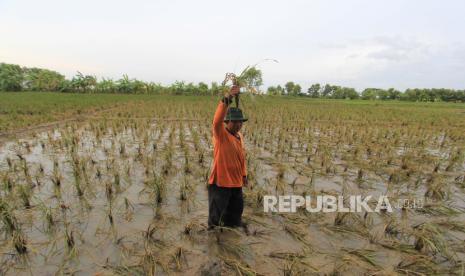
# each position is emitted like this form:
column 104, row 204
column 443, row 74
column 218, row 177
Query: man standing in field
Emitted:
column 228, row 174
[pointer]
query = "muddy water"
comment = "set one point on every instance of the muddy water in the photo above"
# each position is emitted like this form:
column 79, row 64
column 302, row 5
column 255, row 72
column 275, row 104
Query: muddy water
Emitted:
column 169, row 236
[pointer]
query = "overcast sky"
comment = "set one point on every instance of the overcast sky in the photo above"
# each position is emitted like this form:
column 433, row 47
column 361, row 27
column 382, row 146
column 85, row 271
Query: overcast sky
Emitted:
column 395, row 43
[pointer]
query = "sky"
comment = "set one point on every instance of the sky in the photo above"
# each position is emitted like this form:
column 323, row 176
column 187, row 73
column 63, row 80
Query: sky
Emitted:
column 355, row 43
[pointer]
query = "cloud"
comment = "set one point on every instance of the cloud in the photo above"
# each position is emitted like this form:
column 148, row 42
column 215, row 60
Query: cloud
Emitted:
column 382, row 43
column 397, row 48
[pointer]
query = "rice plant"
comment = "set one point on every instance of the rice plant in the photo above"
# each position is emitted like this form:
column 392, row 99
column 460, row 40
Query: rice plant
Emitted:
column 134, row 168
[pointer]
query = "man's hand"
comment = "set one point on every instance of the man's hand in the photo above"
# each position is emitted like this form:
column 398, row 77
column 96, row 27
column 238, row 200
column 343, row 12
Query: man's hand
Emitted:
column 233, row 91
column 245, row 181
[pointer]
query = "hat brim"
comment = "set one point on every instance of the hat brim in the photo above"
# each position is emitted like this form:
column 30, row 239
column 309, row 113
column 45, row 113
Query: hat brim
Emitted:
column 237, row 120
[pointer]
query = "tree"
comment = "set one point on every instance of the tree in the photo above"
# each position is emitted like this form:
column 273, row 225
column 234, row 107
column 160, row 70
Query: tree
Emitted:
column 11, row 77
column 350, row 93
column 393, row 94
column 252, row 78
column 289, row 87
column 337, row 92
column 83, row 83
column 280, row 90
column 124, row 85
column 139, row 86
column 106, row 86
column 177, row 88
column 382, row 94
column 36, row 79
column 292, row 89
column 314, row 90
column 297, row 90
column 215, row 89
column 155, row 88
column 203, row 88
column 272, row 90
column 327, row 91
column 369, row 94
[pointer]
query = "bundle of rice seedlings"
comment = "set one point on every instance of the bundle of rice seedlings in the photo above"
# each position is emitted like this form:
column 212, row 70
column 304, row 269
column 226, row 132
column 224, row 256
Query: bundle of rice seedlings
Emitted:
column 125, row 269
column 19, row 242
column 194, row 227
column 258, row 232
column 48, row 216
column 394, row 244
column 238, row 266
column 419, row 265
column 122, row 149
column 110, row 214
column 281, row 171
column 280, row 186
column 109, row 191
column 185, row 189
column 458, row 269
column 348, row 259
column 206, row 175
column 25, row 193
column 8, row 218
column 7, row 183
column 150, row 263
column 157, row 187
column 452, row 225
column 98, row 173
column 440, row 209
column 233, row 248
column 297, row 233
column 287, row 255
column 290, row 268
column 255, row 197
column 9, row 162
column 139, row 155
column 392, row 228
column 128, row 205
column 56, row 178
column 187, row 167
column 201, row 157
column 349, row 218
column 436, row 188
column 116, row 179
column 77, row 183
column 167, row 166
column 179, row 258
column 430, row 238
column 25, row 168
column 366, row 255
column 129, row 209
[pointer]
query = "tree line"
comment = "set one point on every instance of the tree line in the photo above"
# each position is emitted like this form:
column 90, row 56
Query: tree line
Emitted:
column 16, row 78
column 338, row 92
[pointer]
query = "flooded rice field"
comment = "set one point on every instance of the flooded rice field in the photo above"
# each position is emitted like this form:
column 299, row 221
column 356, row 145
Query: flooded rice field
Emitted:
column 127, row 194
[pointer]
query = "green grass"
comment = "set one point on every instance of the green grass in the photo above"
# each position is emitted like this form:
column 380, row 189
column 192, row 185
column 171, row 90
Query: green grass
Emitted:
column 25, row 109
column 120, row 170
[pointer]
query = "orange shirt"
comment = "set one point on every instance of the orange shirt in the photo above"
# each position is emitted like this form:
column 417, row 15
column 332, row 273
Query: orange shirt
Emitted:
column 228, row 153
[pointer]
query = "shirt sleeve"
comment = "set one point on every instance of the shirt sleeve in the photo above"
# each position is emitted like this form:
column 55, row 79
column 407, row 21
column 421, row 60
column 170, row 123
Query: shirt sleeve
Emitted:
column 218, row 126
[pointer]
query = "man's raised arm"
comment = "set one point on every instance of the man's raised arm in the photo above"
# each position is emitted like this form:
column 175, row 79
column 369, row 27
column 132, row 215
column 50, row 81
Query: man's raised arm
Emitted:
column 221, row 110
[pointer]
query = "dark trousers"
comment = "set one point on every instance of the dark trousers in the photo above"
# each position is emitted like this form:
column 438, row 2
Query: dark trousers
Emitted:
column 225, row 206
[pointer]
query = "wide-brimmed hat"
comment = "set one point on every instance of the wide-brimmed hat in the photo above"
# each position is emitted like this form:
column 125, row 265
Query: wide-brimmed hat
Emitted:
column 235, row 114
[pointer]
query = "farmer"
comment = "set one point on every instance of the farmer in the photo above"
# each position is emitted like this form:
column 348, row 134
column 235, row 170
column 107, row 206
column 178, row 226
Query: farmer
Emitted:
column 229, row 172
